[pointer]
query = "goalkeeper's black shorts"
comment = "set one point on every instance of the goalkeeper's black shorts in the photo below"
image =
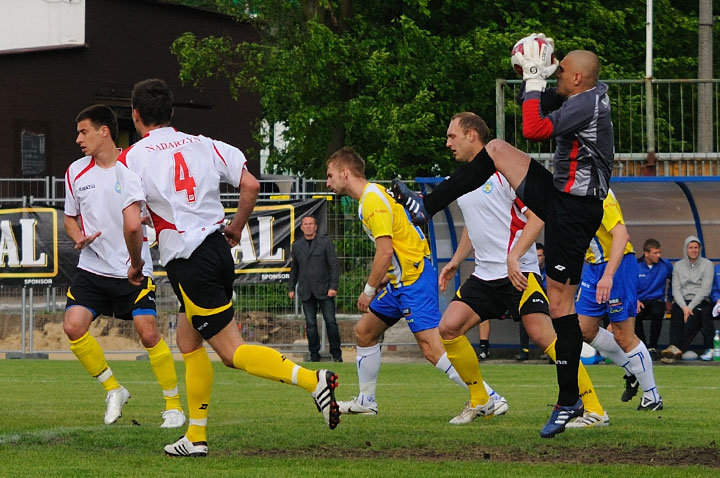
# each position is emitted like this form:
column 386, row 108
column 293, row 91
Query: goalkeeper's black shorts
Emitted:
column 570, row 222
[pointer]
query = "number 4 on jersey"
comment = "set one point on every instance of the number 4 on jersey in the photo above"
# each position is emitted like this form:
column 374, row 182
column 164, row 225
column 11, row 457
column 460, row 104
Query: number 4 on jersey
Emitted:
column 183, row 180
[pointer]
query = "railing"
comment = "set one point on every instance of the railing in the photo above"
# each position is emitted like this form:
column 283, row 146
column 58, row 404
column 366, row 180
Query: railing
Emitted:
column 661, row 142
column 31, row 317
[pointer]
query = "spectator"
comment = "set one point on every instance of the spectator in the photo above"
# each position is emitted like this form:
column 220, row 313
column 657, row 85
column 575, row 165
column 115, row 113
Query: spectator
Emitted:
column 691, row 310
column 654, row 293
column 524, row 338
column 314, row 269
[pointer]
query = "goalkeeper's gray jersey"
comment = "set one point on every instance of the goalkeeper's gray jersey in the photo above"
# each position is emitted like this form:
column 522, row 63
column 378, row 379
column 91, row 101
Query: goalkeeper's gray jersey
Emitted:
column 583, row 134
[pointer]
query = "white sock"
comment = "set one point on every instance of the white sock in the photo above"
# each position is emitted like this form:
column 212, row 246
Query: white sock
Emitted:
column 490, row 390
column 640, row 365
column 368, row 367
column 604, row 342
column 444, row 365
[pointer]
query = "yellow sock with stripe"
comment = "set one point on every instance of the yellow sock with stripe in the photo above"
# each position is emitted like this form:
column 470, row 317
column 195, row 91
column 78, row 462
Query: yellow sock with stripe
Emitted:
column 265, row 362
column 163, row 366
column 464, row 359
column 585, row 386
column 198, row 385
column 89, row 353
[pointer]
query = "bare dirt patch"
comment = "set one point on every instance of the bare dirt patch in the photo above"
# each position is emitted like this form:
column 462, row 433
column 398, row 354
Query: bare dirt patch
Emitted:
column 708, row 456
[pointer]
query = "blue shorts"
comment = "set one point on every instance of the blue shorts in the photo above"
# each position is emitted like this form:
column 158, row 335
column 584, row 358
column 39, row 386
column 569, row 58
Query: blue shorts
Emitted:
column 623, row 295
column 417, row 302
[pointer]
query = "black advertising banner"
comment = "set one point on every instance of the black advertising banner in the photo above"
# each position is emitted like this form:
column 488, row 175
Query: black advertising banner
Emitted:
column 29, row 249
column 34, row 250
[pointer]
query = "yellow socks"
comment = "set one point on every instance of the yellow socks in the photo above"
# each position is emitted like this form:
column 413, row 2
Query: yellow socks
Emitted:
column 198, row 384
column 89, row 353
column 587, row 391
column 163, row 367
column 463, row 358
column 269, row 363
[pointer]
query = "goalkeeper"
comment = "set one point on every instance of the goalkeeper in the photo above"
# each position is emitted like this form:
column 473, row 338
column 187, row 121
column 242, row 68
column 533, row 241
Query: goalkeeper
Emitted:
column 569, row 200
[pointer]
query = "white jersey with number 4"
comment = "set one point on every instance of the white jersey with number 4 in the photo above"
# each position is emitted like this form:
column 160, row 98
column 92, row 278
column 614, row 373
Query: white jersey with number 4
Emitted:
column 92, row 194
column 495, row 219
column 178, row 175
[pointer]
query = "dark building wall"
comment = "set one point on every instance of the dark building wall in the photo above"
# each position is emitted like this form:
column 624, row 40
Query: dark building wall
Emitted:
column 127, row 41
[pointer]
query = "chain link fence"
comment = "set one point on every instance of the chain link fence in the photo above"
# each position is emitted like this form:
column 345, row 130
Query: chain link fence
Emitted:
column 31, row 317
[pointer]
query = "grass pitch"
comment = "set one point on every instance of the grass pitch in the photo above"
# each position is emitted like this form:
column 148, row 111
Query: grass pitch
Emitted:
column 51, row 424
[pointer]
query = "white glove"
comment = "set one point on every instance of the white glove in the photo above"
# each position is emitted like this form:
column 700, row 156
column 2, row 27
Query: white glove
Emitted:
column 716, row 309
column 534, row 57
column 551, row 63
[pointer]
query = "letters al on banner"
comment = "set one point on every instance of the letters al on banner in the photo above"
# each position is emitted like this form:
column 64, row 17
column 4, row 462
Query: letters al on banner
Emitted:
column 34, row 250
column 29, row 246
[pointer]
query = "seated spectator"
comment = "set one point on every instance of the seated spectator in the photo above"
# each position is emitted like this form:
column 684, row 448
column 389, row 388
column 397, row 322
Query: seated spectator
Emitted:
column 654, row 293
column 715, row 292
column 691, row 310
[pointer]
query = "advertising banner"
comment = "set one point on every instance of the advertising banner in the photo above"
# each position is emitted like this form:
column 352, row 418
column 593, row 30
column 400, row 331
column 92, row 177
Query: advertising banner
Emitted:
column 34, row 250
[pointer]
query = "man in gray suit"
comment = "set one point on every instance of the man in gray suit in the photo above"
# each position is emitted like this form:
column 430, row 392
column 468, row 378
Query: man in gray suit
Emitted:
column 314, row 269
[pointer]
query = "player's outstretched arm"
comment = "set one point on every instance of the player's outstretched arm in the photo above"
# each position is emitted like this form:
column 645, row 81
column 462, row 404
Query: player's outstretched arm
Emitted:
column 73, row 231
column 249, row 189
column 381, row 262
column 527, row 238
column 132, row 230
column 463, row 250
column 620, row 238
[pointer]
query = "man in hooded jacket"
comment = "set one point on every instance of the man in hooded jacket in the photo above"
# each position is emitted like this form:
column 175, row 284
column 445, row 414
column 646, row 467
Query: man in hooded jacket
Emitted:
column 692, row 281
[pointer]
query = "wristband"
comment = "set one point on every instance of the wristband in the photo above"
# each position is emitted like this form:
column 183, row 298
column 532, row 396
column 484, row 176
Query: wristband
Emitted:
column 535, row 84
column 369, row 290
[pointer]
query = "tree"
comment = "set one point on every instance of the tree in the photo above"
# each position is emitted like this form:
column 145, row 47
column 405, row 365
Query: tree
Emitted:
column 385, row 76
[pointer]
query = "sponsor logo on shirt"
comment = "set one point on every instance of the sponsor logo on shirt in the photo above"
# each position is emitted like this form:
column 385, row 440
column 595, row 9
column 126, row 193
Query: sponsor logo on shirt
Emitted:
column 487, row 187
column 172, row 144
column 86, row 187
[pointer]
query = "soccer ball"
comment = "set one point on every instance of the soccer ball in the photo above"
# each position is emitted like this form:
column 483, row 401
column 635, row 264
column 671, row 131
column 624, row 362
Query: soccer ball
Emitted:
column 536, row 46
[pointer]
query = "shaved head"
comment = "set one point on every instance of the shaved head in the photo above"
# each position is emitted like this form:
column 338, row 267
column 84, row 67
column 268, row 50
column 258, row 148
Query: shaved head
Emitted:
column 586, row 63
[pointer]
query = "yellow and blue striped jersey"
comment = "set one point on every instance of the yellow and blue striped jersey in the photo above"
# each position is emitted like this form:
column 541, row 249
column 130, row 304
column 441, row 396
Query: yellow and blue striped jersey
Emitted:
column 382, row 216
column 599, row 250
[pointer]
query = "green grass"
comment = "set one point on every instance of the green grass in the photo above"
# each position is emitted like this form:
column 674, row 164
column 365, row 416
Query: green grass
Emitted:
column 51, row 425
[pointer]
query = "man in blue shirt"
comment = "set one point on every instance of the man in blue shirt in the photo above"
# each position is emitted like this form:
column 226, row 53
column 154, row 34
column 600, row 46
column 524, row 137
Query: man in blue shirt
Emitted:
column 715, row 293
column 654, row 293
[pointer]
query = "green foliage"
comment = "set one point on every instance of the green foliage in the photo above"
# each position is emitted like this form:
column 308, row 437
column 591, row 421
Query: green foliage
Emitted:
column 385, row 77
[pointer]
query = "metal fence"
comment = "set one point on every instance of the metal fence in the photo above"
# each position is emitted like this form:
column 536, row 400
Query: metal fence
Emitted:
column 670, row 132
column 31, row 317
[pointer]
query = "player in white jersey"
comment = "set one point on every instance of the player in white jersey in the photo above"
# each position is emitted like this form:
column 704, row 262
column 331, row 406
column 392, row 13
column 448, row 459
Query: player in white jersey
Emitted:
column 93, row 220
column 502, row 232
column 178, row 176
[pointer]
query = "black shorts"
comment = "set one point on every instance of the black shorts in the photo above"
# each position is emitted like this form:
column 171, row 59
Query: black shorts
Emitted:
column 111, row 296
column 203, row 283
column 570, row 222
column 493, row 299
